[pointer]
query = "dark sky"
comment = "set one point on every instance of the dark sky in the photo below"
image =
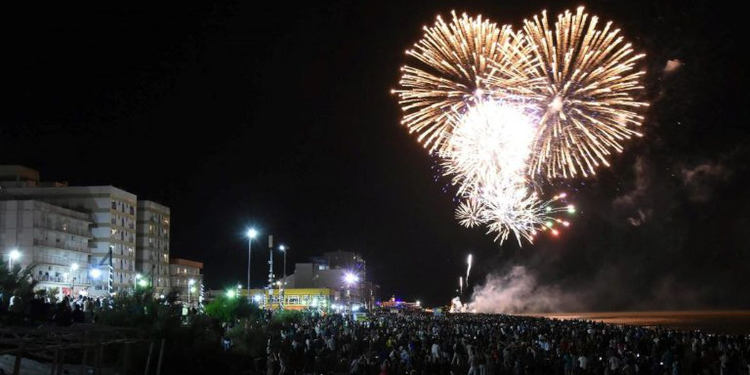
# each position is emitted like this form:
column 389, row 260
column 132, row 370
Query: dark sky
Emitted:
column 279, row 115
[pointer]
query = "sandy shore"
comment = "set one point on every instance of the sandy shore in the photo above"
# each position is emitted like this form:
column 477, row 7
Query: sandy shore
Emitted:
column 720, row 321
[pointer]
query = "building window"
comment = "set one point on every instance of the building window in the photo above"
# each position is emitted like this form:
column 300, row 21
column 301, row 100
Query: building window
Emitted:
column 114, row 205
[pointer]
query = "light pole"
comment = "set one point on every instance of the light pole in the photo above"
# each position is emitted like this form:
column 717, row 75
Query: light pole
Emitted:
column 350, row 279
column 282, row 290
column 251, row 233
column 191, row 289
column 73, row 268
column 13, row 255
column 283, row 249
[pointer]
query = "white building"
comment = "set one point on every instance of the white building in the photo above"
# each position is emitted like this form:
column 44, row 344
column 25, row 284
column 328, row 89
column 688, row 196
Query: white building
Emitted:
column 52, row 240
column 152, row 245
column 185, row 277
column 112, row 211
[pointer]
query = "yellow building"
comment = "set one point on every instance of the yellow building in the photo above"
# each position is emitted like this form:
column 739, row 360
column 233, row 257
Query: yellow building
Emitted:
column 294, row 298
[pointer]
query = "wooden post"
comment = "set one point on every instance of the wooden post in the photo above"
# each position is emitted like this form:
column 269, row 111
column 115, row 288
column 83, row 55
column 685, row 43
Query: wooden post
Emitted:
column 53, row 368
column 148, row 359
column 19, row 357
column 61, row 362
column 85, row 353
column 161, row 354
column 83, row 360
column 125, row 358
column 99, row 354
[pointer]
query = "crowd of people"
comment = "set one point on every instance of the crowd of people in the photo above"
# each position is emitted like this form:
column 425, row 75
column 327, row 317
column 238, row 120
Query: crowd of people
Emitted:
column 478, row 344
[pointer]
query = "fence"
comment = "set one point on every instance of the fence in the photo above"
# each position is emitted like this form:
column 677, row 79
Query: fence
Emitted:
column 82, row 349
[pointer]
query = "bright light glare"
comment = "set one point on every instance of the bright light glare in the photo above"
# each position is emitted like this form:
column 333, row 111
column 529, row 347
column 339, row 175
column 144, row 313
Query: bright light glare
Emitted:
column 74, row 266
column 143, row 283
column 231, row 293
column 96, row 273
column 251, row 233
column 351, row 278
column 14, row 254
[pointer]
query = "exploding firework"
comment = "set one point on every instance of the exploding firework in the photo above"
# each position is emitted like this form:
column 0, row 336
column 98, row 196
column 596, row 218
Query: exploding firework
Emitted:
column 524, row 214
column 487, row 158
column 492, row 142
column 585, row 84
column 502, row 108
column 456, row 60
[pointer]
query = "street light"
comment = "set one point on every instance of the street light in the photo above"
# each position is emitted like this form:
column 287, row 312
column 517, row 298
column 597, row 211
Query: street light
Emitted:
column 73, row 268
column 231, row 294
column 13, row 255
column 251, row 234
column 96, row 273
column 350, row 279
column 191, row 288
column 283, row 249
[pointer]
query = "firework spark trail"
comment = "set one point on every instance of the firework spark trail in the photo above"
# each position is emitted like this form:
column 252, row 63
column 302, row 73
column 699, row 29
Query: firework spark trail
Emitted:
column 584, row 81
column 502, row 108
column 468, row 268
column 456, row 61
column 487, row 158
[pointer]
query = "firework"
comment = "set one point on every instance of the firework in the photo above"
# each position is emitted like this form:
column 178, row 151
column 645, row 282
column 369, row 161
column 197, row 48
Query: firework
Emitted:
column 503, row 108
column 585, row 83
column 455, row 61
column 492, row 142
column 468, row 267
column 487, row 158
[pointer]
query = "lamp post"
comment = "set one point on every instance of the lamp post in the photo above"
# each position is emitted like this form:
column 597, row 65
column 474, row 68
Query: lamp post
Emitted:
column 350, row 279
column 13, row 255
column 73, row 268
column 283, row 249
column 251, row 233
column 282, row 289
column 191, row 288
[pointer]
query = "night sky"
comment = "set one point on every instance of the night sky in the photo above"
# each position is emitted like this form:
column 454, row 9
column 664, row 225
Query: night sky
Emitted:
column 280, row 116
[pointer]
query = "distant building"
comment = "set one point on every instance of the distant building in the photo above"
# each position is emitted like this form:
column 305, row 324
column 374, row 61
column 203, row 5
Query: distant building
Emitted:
column 185, row 277
column 112, row 211
column 343, row 272
column 52, row 240
column 293, row 298
column 152, row 245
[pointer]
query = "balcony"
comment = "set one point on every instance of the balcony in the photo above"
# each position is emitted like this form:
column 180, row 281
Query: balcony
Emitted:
column 84, row 248
column 63, row 229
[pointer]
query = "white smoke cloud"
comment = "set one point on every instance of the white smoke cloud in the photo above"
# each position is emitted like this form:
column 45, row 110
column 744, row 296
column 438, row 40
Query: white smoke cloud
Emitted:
column 672, row 66
column 701, row 180
column 633, row 199
column 518, row 291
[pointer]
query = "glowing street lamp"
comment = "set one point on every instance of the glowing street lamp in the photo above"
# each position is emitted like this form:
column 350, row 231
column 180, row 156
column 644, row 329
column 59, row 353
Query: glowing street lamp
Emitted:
column 96, row 273
column 191, row 288
column 73, row 268
column 13, row 255
column 350, row 278
column 251, row 234
column 231, row 294
column 283, row 249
